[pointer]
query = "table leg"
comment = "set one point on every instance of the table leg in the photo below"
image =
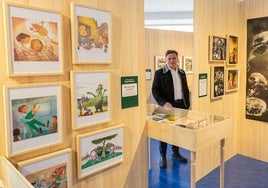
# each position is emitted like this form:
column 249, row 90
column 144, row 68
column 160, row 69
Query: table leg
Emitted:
column 149, row 143
column 222, row 144
column 193, row 166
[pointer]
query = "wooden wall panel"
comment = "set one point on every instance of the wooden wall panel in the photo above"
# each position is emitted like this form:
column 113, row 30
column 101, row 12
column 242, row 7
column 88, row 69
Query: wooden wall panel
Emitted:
column 128, row 52
column 219, row 18
column 157, row 42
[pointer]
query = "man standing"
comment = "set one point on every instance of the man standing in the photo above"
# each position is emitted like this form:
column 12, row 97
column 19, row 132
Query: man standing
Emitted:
column 170, row 89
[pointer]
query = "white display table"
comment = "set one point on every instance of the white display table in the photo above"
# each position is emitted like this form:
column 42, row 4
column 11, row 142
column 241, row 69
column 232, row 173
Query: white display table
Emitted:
column 190, row 130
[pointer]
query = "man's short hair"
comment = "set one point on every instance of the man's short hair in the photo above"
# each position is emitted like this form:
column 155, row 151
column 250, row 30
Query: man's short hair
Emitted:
column 171, row 51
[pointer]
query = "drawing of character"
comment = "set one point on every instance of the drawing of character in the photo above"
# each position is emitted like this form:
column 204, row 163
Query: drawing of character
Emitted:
column 23, row 40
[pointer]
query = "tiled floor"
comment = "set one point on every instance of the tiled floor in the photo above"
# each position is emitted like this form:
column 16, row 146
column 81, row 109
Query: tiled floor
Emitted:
column 240, row 172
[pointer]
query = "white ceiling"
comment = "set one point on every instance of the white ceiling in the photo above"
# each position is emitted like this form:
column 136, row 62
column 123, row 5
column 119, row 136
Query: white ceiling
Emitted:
column 169, row 14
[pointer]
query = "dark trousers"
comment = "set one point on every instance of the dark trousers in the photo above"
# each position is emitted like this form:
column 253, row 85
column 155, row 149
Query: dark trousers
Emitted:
column 163, row 145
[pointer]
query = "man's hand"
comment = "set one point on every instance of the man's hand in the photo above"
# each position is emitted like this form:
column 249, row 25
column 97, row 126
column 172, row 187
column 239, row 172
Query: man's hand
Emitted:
column 168, row 105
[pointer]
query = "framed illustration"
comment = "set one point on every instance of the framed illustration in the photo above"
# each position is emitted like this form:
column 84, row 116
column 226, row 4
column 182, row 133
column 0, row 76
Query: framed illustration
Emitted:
column 217, row 48
column 217, row 81
column 188, row 64
column 99, row 150
column 91, row 35
column 232, row 50
column 51, row 170
column 33, row 40
column 90, row 93
column 159, row 62
column 232, row 79
column 32, row 117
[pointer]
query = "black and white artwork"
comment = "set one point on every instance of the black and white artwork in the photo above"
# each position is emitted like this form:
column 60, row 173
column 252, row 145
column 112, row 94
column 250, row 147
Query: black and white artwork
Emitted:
column 257, row 69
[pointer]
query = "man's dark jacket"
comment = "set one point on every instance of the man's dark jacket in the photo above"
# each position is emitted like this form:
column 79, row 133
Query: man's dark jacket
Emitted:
column 163, row 89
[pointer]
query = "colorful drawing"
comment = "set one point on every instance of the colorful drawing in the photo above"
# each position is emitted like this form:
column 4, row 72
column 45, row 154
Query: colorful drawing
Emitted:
column 102, row 152
column 35, row 40
column 99, row 150
column 232, row 79
column 47, row 171
column 188, row 64
column 55, row 176
column 32, row 117
column 90, row 94
column 91, row 35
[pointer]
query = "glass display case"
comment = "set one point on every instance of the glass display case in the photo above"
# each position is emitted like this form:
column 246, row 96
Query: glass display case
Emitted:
column 190, row 130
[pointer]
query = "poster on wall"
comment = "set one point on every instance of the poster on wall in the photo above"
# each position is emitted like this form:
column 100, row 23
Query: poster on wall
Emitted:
column 257, row 73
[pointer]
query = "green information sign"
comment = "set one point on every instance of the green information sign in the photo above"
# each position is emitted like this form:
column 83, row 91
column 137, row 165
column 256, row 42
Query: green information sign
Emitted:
column 129, row 91
column 202, row 90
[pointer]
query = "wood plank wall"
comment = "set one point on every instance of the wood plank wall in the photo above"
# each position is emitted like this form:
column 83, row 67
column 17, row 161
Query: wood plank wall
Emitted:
column 128, row 52
column 157, row 42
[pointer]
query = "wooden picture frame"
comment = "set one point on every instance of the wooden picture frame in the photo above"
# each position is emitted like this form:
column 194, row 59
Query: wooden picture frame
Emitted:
column 159, row 61
column 217, row 81
column 217, row 48
column 90, row 97
column 32, row 117
column 232, row 79
column 48, row 170
column 93, row 156
column 33, row 40
column 232, row 50
column 91, row 35
column 188, row 64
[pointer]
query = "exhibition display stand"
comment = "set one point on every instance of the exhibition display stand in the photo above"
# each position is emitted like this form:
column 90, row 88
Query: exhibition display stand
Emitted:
column 190, row 130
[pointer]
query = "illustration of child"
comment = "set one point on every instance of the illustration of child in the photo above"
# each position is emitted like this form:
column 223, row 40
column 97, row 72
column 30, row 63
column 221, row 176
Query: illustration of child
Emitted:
column 16, row 135
column 23, row 40
column 29, row 118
